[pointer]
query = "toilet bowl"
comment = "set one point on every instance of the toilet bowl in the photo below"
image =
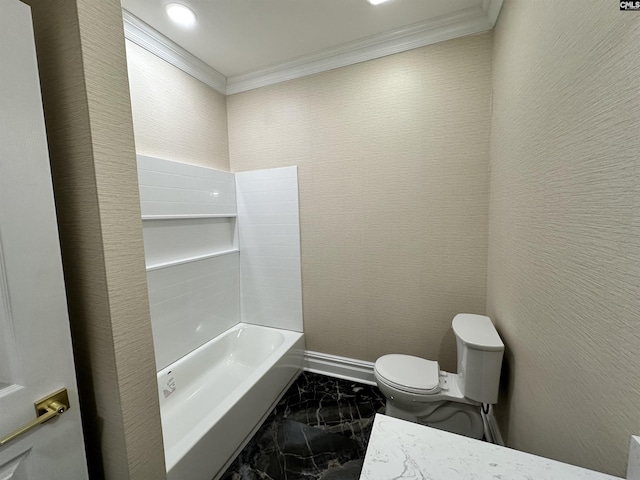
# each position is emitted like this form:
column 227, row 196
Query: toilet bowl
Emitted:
column 418, row 391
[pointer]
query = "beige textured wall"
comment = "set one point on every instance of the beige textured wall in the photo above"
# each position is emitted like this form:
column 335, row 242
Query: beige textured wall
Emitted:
column 176, row 116
column 393, row 168
column 81, row 56
column 564, row 256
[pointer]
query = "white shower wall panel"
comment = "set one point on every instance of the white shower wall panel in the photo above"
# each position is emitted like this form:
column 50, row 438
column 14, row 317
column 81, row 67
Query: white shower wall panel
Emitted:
column 269, row 238
column 172, row 188
column 191, row 304
column 191, row 251
column 220, row 248
column 173, row 240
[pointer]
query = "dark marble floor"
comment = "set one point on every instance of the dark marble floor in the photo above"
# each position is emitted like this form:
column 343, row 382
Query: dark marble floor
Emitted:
column 318, row 431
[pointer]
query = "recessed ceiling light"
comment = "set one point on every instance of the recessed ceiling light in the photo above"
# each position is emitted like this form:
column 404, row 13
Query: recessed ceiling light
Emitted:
column 181, row 14
column 376, row 2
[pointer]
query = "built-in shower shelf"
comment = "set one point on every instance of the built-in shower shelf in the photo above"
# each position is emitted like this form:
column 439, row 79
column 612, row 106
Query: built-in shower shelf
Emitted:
column 188, row 217
column 197, row 258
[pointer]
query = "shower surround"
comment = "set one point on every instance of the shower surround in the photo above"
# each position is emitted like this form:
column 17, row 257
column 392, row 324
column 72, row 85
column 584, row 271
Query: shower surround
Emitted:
column 223, row 264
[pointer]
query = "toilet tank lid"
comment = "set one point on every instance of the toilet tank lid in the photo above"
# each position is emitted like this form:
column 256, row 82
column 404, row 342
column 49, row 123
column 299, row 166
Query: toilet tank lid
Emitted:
column 477, row 332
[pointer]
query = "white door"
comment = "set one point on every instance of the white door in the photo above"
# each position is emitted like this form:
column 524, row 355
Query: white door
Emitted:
column 35, row 345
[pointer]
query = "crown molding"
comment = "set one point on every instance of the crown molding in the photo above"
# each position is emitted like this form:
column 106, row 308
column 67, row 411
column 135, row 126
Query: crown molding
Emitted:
column 153, row 41
column 460, row 24
column 492, row 9
column 466, row 22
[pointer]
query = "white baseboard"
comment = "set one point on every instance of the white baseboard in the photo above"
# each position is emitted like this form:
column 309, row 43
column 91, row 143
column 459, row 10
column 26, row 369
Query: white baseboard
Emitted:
column 339, row 367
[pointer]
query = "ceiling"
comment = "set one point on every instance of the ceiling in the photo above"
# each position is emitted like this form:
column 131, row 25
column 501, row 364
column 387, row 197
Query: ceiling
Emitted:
column 246, row 38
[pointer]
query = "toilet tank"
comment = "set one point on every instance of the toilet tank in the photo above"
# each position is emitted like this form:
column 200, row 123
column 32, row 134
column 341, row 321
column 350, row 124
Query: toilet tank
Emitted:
column 480, row 351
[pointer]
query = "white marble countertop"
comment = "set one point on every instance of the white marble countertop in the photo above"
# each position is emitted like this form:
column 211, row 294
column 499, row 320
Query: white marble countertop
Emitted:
column 399, row 449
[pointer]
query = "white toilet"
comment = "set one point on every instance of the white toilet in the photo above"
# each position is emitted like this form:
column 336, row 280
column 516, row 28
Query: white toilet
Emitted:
column 416, row 389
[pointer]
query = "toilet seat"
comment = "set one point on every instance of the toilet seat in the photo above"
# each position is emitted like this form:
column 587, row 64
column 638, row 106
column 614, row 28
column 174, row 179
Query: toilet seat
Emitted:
column 409, row 374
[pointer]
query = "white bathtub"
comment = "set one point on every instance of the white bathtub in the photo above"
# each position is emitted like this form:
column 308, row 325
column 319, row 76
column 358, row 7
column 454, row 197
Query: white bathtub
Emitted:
column 214, row 398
